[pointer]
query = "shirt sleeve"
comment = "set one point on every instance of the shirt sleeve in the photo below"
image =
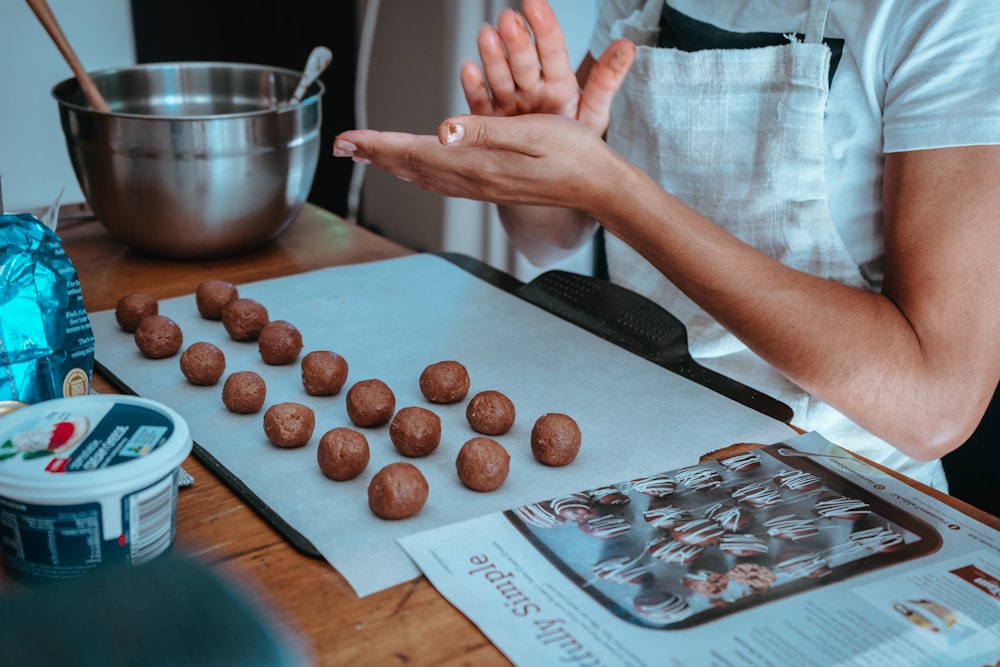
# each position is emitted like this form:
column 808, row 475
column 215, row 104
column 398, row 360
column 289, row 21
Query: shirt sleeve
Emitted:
column 940, row 63
column 609, row 12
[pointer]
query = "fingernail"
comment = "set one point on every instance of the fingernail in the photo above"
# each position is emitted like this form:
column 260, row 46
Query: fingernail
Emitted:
column 455, row 133
column 342, row 148
column 360, row 160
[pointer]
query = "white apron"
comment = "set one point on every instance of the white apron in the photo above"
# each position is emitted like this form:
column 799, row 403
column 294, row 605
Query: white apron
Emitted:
column 737, row 135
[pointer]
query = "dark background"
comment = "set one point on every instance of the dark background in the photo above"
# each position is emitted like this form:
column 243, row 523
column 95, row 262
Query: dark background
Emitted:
column 974, row 468
column 280, row 35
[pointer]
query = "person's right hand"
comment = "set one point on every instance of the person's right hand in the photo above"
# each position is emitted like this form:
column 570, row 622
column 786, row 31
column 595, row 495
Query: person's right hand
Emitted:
column 522, row 75
column 531, row 159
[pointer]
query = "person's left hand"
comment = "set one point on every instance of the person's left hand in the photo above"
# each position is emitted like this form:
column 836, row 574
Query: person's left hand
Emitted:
column 526, row 70
column 537, row 159
column 525, row 66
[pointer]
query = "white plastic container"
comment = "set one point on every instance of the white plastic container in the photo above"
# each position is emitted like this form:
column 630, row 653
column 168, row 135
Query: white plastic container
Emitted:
column 88, row 481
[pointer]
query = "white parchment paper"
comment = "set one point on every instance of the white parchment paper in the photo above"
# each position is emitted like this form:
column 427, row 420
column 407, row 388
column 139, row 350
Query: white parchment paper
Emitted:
column 390, row 319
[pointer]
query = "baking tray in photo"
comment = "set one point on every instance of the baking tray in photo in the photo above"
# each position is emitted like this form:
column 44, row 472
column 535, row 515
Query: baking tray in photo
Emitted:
column 680, row 548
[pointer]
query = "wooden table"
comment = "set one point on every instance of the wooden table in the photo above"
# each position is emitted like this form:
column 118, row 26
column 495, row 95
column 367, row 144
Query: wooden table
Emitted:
column 409, row 624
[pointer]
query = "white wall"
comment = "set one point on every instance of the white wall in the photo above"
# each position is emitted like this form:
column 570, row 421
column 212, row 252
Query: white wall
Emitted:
column 34, row 164
column 413, row 86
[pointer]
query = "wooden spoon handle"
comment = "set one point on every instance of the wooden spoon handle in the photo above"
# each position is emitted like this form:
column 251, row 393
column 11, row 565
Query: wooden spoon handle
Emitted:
column 48, row 21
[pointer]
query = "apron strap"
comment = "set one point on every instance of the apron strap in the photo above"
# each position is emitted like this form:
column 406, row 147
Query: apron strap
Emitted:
column 816, row 21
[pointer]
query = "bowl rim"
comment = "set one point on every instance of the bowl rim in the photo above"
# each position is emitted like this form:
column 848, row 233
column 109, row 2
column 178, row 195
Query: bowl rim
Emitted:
column 69, row 85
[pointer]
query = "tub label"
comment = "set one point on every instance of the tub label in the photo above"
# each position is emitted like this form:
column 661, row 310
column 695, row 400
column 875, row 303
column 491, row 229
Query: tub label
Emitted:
column 106, row 435
column 47, row 541
column 67, row 541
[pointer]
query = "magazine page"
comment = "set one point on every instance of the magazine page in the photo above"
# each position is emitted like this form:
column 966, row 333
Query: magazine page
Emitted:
column 796, row 553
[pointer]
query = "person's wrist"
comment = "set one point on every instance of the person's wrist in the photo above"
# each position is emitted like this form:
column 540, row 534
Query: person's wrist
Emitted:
column 606, row 180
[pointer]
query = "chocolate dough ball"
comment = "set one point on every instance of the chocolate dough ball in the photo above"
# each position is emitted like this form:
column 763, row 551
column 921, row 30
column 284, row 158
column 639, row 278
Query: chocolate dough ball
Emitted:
column 490, row 413
column 244, row 392
column 370, row 403
column 397, row 491
column 158, row 337
column 415, row 431
column 279, row 343
column 203, row 363
column 555, row 439
column 244, row 318
column 214, row 295
column 482, row 464
column 289, row 424
column 134, row 308
column 444, row 382
column 343, row 453
column 323, row 373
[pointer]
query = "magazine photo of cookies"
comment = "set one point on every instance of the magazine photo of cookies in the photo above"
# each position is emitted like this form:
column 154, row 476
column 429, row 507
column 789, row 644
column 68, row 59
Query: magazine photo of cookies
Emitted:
column 679, row 548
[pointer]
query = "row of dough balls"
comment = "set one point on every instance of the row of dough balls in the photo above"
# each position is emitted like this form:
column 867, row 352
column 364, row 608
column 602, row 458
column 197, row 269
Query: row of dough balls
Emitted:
column 158, row 337
column 399, row 490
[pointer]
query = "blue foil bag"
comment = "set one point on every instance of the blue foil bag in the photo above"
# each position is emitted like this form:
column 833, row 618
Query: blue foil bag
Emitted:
column 46, row 342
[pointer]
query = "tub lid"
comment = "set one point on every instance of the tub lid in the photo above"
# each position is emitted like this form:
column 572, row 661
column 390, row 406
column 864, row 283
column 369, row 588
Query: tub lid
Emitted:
column 87, row 442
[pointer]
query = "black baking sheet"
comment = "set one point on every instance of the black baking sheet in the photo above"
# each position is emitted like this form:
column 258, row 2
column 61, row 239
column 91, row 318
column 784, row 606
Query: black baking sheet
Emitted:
column 390, row 319
column 612, row 312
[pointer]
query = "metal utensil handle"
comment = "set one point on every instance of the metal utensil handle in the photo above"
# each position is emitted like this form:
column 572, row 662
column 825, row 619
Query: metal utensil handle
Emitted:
column 319, row 60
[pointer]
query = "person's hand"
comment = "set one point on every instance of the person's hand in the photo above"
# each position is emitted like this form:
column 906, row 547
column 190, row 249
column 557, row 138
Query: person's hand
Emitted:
column 539, row 159
column 519, row 74
column 526, row 70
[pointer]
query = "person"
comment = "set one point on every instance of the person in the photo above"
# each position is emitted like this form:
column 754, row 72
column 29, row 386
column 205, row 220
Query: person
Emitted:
column 811, row 187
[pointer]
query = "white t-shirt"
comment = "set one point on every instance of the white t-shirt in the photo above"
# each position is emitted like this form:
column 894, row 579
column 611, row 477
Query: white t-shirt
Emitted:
column 913, row 74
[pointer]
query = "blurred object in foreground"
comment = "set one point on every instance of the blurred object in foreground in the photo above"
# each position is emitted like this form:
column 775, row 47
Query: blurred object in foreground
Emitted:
column 174, row 611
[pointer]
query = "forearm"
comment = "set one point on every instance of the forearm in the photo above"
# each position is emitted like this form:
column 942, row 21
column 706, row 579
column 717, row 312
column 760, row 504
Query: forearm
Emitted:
column 546, row 234
column 854, row 349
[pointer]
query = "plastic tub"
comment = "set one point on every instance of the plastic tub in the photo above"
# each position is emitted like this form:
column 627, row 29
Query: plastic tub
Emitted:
column 87, row 482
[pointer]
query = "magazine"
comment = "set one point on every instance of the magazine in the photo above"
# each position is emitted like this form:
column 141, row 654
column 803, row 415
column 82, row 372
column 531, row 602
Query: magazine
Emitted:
column 795, row 553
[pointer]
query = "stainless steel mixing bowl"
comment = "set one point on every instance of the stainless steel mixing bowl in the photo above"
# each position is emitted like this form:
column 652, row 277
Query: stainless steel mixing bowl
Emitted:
column 195, row 160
